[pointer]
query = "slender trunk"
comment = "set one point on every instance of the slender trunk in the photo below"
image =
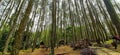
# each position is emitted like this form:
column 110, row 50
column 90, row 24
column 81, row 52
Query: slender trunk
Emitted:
column 7, row 14
column 53, row 32
column 9, row 2
column 113, row 14
column 12, row 31
column 19, row 32
column 0, row 0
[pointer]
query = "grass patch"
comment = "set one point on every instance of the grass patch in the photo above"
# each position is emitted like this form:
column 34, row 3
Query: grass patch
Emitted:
column 0, row 53
column 109, row 42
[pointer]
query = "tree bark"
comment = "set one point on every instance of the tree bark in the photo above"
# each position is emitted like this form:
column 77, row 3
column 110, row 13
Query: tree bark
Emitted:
column 113, row 15
column 12, row 30
column 20, row 31
column 53, row 31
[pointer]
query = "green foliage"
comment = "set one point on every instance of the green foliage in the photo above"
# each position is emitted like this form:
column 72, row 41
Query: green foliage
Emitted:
column 69, row 31
column 0, row 53
column 3, row 39
column 3, row 34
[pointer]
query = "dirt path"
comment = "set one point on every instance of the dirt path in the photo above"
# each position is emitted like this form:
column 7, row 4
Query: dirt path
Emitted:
column 69, row 51
column 105, row 51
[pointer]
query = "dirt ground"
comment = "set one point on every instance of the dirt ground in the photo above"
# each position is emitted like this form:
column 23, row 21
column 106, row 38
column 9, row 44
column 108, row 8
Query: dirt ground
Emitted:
column 67, row 50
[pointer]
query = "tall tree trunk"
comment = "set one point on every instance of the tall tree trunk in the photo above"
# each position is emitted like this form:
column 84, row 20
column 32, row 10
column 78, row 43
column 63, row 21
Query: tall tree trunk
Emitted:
column 9, row 2
column 7, row 14
column 53, row 31
column 93, row 22
column 12, row 29
column 105, row 16
column 113, row 15
column 19, row 32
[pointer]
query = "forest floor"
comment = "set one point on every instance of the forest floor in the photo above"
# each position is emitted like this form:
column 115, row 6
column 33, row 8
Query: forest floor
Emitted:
column 67, row 50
